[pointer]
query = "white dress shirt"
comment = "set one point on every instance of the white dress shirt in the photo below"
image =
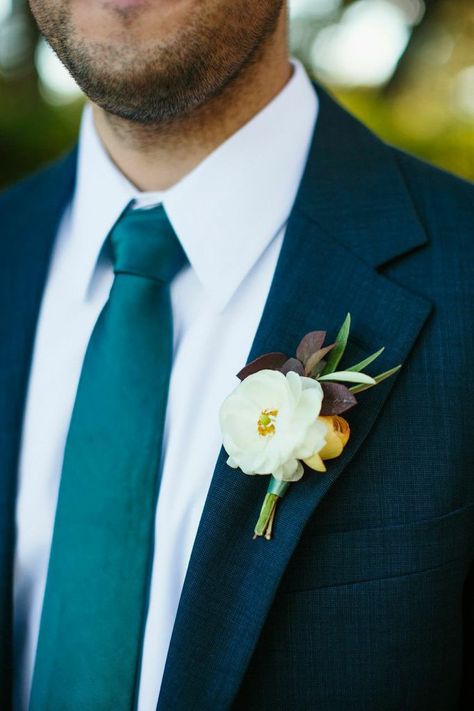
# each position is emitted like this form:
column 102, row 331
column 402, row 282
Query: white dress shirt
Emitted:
column 229, row 214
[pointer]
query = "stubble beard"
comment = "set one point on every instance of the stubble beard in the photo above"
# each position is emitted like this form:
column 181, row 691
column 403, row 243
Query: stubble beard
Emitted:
column 163, row 83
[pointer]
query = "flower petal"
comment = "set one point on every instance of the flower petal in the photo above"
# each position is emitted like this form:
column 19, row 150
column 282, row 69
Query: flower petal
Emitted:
column 290, row 405
column 315, row 462
column 292, row 470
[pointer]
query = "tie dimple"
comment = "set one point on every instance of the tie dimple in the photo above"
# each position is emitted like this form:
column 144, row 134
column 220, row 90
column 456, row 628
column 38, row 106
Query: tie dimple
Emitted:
column 144, row 244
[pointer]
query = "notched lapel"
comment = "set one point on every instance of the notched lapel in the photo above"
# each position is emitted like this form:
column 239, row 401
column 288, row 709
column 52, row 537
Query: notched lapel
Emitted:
column 232, row 579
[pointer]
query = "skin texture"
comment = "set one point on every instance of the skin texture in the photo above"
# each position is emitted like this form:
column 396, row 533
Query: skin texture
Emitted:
column 169, row 79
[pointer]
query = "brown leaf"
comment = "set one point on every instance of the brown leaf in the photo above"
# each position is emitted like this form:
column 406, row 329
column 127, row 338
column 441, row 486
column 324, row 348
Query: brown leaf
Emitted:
column 314, row 359
column 309, row 344
column 270, row 361
column 337, row 399
column 318, row 369
column 292, row 364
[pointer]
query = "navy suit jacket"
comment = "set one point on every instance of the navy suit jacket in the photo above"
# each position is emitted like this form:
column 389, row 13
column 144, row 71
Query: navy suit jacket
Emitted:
column 364, row 598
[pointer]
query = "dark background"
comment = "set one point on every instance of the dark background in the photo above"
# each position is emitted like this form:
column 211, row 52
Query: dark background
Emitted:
column 405, row 67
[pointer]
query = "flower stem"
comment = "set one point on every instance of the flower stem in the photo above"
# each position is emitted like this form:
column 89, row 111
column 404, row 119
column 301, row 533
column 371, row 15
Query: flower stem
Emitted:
column 276, row 490
column 267, row 514
column 268, row 532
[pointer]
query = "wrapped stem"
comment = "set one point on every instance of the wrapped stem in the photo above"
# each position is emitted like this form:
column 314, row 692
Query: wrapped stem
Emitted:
column 276, row 490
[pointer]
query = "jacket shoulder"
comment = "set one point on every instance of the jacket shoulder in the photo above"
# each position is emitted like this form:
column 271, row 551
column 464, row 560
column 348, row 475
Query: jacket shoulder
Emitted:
column 41, row 184
column 444, row 202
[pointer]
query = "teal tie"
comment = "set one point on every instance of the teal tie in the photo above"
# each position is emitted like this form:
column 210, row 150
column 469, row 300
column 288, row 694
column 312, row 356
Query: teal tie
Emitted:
column 91, row 632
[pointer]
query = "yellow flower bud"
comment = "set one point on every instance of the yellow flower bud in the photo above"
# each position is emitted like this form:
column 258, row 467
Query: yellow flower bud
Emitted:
column 337, row 436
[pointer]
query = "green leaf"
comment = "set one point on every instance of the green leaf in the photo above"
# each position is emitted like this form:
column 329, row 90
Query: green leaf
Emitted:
column 339, row 348
column 367, row 361
column 378, row 379
column 346, row 376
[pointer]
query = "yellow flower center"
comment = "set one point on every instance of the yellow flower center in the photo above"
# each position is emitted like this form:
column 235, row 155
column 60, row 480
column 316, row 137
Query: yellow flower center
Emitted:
column 266, row 422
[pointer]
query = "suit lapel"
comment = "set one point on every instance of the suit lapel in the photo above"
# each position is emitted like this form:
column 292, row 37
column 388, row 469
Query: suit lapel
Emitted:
column 30, row 214
column 352, row 213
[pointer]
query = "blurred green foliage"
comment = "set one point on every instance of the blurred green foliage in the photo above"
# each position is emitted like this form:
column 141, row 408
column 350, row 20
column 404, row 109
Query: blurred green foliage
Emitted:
column 426, row 106
column 32, row 131
column 413, row 109
column 450, row 146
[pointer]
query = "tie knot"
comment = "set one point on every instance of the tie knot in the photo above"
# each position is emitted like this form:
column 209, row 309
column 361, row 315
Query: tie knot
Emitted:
column 145, row 244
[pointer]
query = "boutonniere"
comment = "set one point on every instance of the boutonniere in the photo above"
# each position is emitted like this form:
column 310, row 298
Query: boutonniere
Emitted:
column 287, row 411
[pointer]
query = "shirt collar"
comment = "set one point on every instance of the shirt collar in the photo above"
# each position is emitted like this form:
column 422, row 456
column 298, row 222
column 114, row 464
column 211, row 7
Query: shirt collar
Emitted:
column 228, row 209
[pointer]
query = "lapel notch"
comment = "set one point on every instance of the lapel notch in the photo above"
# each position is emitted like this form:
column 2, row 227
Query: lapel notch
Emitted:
column 353, row 189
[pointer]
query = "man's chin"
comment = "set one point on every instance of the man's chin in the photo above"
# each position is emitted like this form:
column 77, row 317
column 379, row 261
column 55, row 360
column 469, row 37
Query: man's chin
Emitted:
column 141, row 21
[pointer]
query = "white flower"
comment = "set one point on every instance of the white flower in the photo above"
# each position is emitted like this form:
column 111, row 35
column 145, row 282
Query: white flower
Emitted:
column 269, row 422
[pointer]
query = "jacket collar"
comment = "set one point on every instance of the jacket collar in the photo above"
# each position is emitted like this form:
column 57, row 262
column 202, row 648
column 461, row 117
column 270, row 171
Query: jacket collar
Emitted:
column 211, row 205
column 352, row 188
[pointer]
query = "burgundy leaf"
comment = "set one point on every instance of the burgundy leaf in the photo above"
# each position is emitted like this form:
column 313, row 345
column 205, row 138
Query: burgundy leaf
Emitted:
column 337, row 399
column 292, row 364
column 270, row 361
column 318, row 369
column 314, row 359
column 309, row 344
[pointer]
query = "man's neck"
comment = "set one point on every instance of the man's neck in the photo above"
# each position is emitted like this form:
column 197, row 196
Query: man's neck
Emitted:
column 157, row 157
